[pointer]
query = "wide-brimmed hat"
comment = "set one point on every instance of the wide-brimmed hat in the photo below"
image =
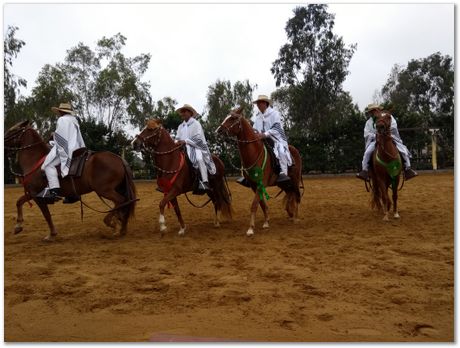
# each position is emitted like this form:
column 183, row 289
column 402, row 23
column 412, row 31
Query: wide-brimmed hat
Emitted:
column 189, row 108
column 64, row 107
column 262, row 98
column 371, row 107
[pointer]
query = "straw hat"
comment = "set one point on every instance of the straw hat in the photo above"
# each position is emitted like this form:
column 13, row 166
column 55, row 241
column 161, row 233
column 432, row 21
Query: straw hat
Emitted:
column 262, row 98
column 64, row 107
column 189, row 108
column 371, row 107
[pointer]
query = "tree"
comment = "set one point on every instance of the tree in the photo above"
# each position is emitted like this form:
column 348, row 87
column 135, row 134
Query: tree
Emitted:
column 222, row 97
column 421, row 95
column 311, row 67
column 102, row 84
column 11, row 83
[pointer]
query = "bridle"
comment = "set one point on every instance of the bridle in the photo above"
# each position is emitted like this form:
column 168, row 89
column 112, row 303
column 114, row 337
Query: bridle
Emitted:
column 15, row 138
column 385, row 132
column 153, row 144
column 240, row 128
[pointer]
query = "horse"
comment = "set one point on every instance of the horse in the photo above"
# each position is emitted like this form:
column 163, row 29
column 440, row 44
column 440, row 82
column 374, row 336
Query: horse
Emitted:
column 104, row 172
column 257, row 168
column 176, row 174
column 386, row 168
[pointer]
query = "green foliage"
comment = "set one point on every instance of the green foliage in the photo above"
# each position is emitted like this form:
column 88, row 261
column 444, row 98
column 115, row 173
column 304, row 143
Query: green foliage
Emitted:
column 222, row 97
column 421, row 96
column 312, row 67
column 102, row 84
column 11, row 83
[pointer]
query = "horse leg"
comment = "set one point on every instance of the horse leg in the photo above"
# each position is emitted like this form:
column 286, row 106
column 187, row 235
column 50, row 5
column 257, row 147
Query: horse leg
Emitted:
column 117, row 199
column 47, row 215
column 254, row 205
column 395, row 201
column 20, row 219
column 385, row 202
column 161, row 220
column 264, row 207
column 216, row 216
column 179, row 216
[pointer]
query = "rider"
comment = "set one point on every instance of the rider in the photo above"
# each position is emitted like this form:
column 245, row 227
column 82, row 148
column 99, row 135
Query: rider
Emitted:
column 66, row 139
column 267, row 124
column 190, row 133
column 373, row 110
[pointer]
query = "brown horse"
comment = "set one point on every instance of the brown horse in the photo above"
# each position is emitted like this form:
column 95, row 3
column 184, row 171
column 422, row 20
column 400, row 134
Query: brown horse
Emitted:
column 176, row 175
column 257, row 167
column 105, row 173
column 386, row 168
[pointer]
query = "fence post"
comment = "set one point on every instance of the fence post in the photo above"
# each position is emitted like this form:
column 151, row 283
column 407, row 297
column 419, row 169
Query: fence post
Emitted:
column 434, row 148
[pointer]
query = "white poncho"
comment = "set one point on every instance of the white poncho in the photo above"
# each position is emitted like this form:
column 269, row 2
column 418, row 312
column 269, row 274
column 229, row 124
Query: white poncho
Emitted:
column 192, row 133
column 269, row 123
column 67, row 139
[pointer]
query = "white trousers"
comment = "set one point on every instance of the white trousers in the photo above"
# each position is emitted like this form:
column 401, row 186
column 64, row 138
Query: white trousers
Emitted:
column 370, row 149
column 202, row 166
column 284, row 156
column 52, row 174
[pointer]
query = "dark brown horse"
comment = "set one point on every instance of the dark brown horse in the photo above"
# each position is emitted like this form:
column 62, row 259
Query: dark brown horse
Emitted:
column 105, row 173
column 176, row 176
column 257, row 167
column 386, row 168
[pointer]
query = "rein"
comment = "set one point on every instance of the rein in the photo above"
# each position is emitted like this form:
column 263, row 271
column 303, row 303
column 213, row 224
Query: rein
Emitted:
column 254, row 172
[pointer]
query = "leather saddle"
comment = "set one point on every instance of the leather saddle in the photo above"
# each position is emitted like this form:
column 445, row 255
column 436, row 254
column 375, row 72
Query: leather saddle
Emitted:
column 269, row 144
column 79, row 158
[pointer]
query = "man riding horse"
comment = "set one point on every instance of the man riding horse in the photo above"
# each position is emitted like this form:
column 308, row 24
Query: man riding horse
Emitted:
column 66, row 139
column 191, row 134
column 267, row 123
column 373, row 110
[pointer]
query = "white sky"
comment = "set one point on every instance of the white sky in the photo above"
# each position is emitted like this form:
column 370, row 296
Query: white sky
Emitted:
column 193, row 45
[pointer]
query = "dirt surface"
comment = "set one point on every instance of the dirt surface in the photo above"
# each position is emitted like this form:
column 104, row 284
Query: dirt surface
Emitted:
column 340, row 274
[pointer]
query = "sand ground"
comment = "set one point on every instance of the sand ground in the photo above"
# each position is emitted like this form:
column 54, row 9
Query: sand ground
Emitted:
column 339, row 274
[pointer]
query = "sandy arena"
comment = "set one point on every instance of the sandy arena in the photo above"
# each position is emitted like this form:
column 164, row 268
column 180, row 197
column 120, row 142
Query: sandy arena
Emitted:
column 340, row 274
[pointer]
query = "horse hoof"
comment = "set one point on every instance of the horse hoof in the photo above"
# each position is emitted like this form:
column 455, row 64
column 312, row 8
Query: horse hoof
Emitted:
column 385, row 218
column 266, row 225
column 216, row 224
column 397, row 216
column 49, row 238
column 17, row 229
column 181, row 232
column 250, row 232
column 163, row 228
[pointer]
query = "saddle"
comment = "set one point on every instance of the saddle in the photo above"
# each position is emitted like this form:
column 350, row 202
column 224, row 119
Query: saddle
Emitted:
column 269, row 144
column 79, row 158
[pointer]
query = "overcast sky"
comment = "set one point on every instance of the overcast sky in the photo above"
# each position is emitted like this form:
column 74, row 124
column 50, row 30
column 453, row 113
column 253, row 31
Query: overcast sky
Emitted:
column 193, row 45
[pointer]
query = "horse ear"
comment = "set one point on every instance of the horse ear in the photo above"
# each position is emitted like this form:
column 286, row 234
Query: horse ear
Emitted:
column 237, row 111
column 22, row 124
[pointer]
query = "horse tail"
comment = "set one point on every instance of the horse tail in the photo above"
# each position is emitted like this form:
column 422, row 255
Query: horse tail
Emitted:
column 293, row 195
column 128, row 190
column 223, row 196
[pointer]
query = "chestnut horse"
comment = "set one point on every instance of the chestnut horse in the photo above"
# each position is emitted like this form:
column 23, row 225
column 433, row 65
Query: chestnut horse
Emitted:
column 386, row 168
column 176, row 175
column 257, row 167
column 105, row 173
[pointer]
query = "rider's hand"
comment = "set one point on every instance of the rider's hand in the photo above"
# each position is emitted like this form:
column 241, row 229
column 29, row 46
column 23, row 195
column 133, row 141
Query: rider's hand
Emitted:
column 180, row 142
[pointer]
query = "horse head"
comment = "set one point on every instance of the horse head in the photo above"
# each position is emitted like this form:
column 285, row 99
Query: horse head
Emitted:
column 149, row 137
column 13, row 136
column 383, row 123
column 231, row 125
